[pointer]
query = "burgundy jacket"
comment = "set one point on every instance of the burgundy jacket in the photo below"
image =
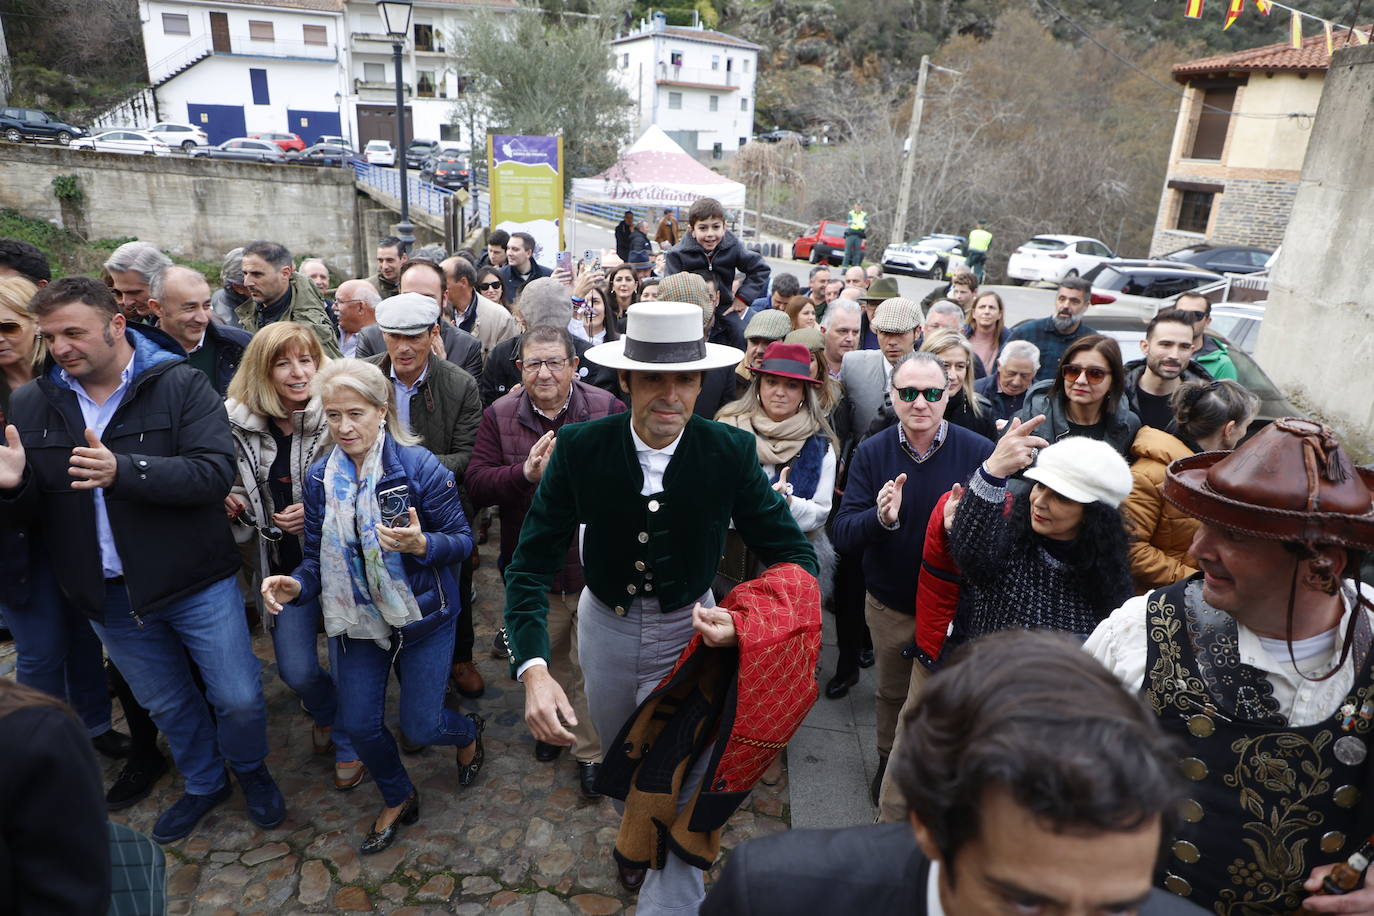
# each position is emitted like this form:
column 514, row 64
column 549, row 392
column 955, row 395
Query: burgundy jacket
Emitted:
column 496, row 473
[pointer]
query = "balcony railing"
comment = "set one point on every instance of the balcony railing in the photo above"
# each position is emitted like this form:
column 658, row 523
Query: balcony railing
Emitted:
column 377, row 86
column 242, row 45
column 668, row 75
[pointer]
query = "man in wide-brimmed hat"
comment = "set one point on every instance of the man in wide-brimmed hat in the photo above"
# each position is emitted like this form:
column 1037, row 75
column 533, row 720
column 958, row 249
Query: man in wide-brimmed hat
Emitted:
column 1260, row 665
column 654, row 490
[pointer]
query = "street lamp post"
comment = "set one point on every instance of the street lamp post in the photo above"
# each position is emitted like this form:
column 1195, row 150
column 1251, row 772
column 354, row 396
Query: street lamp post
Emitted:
column 396, row 19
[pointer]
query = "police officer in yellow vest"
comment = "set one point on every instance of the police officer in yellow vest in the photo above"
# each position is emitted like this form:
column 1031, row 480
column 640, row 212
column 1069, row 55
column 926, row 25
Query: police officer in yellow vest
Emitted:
column 854, row 236
column 979, row 241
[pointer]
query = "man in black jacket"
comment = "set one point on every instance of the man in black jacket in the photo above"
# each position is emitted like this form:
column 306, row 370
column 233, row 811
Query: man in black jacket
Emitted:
column 1034, row 783
column 181, row 300
column 521, row 267
column 124, row 451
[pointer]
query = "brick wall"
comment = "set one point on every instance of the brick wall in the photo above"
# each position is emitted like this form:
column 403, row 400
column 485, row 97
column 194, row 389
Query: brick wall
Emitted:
column 1248, row 212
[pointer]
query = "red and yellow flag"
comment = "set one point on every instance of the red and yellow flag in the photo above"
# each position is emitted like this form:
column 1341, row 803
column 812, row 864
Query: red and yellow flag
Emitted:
column 1193, row 10
column 1330, row 42
column 1264, row 6
column 1233, row 13
column 1361, row 37
column 1295, row 31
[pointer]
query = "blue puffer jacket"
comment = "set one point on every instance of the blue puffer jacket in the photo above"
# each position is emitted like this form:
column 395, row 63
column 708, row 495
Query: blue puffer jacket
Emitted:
column 433, row 578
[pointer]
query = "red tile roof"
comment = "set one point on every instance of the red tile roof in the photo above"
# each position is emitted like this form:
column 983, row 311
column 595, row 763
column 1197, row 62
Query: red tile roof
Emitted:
column 1281, row 56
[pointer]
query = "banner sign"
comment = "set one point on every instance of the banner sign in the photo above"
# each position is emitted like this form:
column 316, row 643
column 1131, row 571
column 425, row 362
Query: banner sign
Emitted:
column 526, row 181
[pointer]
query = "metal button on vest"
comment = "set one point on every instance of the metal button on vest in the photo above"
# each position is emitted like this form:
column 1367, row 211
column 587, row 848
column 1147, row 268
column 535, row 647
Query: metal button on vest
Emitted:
column 1177, row 885
column 639, row 565
column 1190, row 811
column 649, row 574
column 631, row 589
column 620, row 610
column 648, row 586
column 1186, row 851
column 1193, row 768
column 1201, row 726
column 653, row 505
column 1347, row 796
column 643, row 537
column 1333, row 841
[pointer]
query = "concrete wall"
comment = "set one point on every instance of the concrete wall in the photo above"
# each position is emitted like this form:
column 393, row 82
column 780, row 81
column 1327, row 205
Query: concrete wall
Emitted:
column 1317, row 340
column 195, row 208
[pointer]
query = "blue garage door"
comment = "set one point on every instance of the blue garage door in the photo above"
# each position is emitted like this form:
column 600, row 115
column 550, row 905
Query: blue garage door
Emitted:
column 220, row 122
column 312, row 125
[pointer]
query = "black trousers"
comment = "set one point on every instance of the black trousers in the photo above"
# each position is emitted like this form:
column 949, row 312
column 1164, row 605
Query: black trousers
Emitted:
column 851, row 632
column 463, row 636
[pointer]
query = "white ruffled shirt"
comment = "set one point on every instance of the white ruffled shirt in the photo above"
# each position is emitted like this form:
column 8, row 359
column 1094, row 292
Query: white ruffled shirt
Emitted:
column 1122, row 641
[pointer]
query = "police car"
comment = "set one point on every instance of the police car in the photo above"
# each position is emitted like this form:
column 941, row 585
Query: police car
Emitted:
column 926, row 257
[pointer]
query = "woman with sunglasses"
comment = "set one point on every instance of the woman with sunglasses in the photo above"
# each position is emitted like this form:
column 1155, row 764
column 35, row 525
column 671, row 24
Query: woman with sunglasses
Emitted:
column 489, row 285
column 21, row 350
column 1211, row 417
column 966, row 407
column 1086, row 397
column 277, row 437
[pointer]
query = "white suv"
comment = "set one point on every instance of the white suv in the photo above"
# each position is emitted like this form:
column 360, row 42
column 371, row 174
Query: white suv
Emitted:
column 178, row 135
column 1051, row 258
column 379, row 152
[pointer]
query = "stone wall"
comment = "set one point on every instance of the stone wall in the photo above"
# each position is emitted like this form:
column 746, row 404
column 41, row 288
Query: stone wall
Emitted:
column 1250, row 211
column 196, row 208
column 1317, row 340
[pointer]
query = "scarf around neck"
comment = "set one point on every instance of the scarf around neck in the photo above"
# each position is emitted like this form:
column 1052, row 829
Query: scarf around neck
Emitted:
column 777, row 441
column 365, row 593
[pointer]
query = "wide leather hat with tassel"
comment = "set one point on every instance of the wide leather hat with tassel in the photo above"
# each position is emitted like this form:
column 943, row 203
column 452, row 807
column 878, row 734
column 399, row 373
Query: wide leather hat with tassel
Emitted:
column 1292, row 481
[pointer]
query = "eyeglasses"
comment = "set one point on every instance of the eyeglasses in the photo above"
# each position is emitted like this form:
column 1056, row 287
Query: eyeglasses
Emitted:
column 1072, row 371
column 930, row 394
column 11, row 329
column 533, row 366
column 494, row 284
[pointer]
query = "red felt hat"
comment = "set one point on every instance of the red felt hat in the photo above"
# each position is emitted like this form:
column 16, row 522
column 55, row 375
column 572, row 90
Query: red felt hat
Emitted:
column 788, row 361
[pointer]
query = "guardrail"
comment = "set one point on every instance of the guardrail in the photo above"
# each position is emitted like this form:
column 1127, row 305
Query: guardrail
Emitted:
column 423, row 195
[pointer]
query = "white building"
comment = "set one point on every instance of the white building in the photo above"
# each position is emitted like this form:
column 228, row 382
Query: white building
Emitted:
column 311, row 67
column 694, row 83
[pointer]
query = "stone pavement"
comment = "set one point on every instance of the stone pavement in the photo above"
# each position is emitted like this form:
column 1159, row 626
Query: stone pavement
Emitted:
column 521, row 840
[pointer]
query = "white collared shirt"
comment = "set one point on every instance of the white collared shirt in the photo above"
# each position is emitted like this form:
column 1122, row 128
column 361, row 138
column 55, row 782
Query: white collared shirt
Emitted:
column 1122, row 642
column 933, row 905
column 404, row 393
column 653, row 461
column 197, row 347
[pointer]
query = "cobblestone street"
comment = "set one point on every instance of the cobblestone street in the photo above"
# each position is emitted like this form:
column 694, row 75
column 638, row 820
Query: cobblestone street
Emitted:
column 521, row 840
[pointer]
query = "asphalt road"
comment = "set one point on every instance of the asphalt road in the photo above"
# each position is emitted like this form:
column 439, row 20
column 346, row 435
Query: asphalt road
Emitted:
column 1022, row 302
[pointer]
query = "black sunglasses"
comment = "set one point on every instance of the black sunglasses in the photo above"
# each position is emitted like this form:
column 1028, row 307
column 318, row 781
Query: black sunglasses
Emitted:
column 930, row 394
column 494, row 284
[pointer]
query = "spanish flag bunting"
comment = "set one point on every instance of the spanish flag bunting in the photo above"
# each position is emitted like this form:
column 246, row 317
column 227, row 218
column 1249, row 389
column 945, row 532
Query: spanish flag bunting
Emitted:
column 1194, row 9
column 1361, row 37
column 1233, row 13
column 1295, row 30
column 1330, row 43
column 1264, row 6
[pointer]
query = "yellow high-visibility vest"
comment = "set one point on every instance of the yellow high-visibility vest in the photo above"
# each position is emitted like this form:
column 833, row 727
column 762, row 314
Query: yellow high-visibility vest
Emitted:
column 858, row 219
column 979, row 240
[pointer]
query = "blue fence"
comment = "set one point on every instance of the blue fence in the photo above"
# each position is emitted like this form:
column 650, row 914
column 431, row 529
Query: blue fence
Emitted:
column 423, row 195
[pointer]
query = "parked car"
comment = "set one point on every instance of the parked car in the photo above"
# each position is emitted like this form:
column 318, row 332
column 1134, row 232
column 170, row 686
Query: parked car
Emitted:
column 325, row 154
column 20, row 124
column 777, row 136
column 123, row 140
column 925, row 257
column 249, row 149
column 1144, row 284
column 1239, row 322
column 824, row 241
column 1051, row 258
column 379, row 152
column 179, row 135
column 1224, row 259
column 447, row 171
column 332, row 140
column 1127, row 327
column 285, row 141
column 417, row 151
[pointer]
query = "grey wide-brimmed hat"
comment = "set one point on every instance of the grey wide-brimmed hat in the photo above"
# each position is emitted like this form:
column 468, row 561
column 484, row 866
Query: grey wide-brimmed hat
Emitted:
column 663, row 337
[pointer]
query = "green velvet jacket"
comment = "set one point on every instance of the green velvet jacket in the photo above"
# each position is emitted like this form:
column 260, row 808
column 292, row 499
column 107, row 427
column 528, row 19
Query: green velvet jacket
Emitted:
column 666, row 545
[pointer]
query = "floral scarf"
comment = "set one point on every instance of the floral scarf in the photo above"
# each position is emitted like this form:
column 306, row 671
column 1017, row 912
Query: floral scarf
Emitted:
column 365, row 593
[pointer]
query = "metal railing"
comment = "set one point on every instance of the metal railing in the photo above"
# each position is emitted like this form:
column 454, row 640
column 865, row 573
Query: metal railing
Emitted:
column 698, row 76
column 203, row 45
column 423, row 195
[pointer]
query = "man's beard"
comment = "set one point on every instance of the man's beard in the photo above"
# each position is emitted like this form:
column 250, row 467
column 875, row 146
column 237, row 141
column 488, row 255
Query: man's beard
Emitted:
column 1064, row 323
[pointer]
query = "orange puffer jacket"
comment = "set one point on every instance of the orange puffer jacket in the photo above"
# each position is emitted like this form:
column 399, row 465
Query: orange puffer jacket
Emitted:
column 1160, row 533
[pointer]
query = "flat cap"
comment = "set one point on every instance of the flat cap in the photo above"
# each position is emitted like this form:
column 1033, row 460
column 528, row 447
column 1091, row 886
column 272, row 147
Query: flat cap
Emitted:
column 408, row 313
column 806, row 337
column 897, row 316
column 685, row 287
column 769, row 324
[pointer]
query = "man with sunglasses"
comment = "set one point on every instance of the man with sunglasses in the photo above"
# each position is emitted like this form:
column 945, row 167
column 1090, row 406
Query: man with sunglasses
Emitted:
column 895, row 479
column 1054, row 334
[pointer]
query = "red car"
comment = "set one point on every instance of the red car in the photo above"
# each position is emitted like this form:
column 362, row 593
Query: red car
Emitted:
column 287, row 142
column 824, row 241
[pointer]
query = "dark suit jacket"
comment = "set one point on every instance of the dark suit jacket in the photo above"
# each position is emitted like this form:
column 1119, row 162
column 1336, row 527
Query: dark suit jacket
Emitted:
column 461, row 348
column 873, row 870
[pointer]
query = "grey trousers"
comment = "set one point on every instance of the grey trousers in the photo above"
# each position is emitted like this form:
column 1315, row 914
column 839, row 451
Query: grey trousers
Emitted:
column 623, row 660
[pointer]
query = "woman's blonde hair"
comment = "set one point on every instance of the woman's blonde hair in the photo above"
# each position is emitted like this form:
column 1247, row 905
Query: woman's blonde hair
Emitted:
column 252, row 384
column 367, row 381
column 941, row 341
column 752, row 400
column 15, row 293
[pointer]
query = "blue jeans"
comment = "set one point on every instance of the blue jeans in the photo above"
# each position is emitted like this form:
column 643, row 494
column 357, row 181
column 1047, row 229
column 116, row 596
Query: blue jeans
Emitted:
column 298, row 663
column 58, row 652
column 422, row 668
column 210, row 626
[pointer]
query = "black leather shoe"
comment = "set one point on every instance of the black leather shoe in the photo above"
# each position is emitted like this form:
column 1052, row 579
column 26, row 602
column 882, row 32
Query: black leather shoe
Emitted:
column 838, row 686
column 377, row 840
column 877, row 787
column 586, row 776
column 467, row 772
column 546, row 752
column 866, row 658
column 630, row 878
column 135, row 782
column 113, row 744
